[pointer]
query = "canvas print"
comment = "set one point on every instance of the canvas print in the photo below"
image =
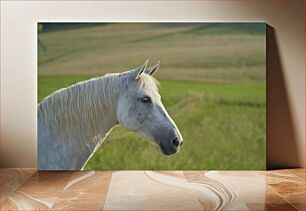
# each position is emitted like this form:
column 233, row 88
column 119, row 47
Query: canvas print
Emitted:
column 158, row 96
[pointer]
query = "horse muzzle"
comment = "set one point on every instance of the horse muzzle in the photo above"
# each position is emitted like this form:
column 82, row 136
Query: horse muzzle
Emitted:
column 171, row 147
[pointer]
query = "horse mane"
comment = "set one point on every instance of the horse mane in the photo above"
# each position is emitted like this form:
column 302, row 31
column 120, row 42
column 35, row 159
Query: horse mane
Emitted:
column 76, row 111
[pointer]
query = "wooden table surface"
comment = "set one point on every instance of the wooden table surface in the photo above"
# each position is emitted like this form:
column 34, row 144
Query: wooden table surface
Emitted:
column 28, row 189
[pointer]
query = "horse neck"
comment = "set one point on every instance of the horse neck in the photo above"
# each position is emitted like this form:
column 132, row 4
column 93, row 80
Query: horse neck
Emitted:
column 83, row 122
column 103, row 108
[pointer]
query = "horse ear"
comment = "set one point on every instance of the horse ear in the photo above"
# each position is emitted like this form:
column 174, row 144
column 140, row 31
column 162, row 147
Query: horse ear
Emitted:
column 138, row 71
column 152, row 70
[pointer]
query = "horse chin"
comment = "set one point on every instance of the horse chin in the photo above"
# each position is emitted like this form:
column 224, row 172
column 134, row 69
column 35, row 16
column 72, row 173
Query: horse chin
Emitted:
column 165, row 150
column 168, row 152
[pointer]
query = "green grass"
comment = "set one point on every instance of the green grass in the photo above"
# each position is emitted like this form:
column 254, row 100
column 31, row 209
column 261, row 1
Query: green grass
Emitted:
column 187, row 51
column 223, row 126
column 212, row 83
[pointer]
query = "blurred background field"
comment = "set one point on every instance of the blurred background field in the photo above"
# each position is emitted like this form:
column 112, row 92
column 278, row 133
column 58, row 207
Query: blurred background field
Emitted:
column 212, row 82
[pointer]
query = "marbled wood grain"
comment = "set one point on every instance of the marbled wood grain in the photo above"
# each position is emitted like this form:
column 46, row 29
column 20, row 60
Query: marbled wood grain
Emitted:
column 191, row 175
column 272, row 197
column 177, row 174
column 299, row 206
column 40, row 191
column 12, row 179
column 278, row 175
column 271, row 207
column 248, row 186
column 287, row 185
column 298, row 172
column 212, row 194
column 85, row 191
column 147, row 190
column 25, row 189
column 19, row 201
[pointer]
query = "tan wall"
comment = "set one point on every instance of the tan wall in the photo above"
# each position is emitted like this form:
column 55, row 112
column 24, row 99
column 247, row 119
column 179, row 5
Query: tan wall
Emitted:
column 286, row 62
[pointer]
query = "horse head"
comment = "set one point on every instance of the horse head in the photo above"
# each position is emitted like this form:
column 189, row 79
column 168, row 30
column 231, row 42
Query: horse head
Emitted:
column 140, row 109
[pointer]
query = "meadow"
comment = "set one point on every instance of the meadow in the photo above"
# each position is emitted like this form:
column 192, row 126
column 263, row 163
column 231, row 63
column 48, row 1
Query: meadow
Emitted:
column 212, row 82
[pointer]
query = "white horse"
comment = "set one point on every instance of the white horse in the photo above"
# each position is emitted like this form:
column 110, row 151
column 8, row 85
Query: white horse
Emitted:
column 72, row 122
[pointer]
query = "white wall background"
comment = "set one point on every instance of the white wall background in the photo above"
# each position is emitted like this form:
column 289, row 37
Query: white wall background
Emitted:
column 19, row 63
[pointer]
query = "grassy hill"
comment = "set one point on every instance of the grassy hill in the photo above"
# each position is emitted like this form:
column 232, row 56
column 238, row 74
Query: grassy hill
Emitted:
column 209, row 53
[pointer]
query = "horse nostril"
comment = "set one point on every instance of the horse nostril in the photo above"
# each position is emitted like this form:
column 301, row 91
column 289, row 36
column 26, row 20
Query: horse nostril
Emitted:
column 175, row 142
column 181, row 143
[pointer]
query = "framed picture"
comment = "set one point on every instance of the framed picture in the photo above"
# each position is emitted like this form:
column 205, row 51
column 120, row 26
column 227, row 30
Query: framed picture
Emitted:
column 115, row 96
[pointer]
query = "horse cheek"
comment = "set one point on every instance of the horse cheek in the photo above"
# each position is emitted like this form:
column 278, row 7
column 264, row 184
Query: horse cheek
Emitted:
column 131, row 112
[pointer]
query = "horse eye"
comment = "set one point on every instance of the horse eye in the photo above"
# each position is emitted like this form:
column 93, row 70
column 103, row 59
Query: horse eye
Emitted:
column 146, row 99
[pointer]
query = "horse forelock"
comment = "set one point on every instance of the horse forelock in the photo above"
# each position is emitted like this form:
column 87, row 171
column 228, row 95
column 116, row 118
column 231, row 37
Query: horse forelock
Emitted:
column 148, row 83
